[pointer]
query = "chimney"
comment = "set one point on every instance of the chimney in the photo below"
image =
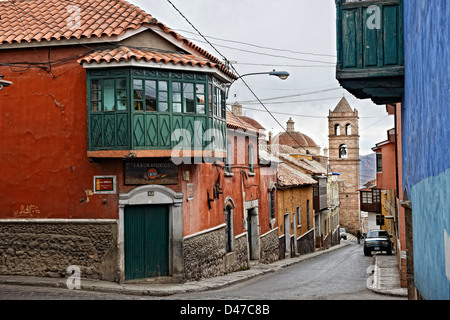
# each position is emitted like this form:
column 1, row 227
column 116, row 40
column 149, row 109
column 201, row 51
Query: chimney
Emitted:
column 290, row 125
column 236, row 109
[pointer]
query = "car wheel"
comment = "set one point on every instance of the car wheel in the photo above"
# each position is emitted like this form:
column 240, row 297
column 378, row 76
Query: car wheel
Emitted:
column 367, row 252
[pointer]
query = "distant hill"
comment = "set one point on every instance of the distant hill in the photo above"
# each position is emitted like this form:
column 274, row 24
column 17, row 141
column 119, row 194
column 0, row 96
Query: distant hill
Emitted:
column 367, row 170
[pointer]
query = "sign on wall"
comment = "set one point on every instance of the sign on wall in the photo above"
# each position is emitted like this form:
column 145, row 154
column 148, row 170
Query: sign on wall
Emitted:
column 104, row 184
column 151, row 173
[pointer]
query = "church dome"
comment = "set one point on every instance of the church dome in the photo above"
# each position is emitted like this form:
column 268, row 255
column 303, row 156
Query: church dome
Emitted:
column 294, row 138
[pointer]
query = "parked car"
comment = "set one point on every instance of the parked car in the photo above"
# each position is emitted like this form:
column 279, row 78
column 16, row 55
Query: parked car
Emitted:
column 343, row 233
column 377, row 240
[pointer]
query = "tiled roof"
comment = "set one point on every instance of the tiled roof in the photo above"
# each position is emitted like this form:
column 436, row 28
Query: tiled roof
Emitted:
column 289, row 177
column 253, row 122
column 124, row 53
column 26, row 21
column 280, row 148
column 308, row 166
column 236, row 122
column 40, row 20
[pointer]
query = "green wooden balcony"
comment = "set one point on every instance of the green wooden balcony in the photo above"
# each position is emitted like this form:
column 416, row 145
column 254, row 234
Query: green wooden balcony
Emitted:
column 138, row 111
column 370, row 49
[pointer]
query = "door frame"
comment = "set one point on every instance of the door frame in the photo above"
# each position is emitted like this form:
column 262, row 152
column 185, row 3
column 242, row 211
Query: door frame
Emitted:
column 156, row 194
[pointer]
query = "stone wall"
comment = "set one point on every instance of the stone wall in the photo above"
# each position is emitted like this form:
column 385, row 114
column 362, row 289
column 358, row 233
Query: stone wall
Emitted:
column 238, row 259
column 306, row 243
column 46, row 249
column 269, row 247
column 204, row 255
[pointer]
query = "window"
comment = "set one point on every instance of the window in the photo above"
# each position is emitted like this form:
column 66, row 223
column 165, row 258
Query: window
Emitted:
column 272, row 203
column 96, row 95
column 109, row 97
column 343, row 153
column 138, row 94
column 308, row 222
column 109, row 94
column 251, row 166
column 176, row 96
column 229, row 228
column 366, row 197
column 348, row 129
column 379, row 162
column 150, row 96
column 200, row 94
column 337, row 129
column 376, row 195
column 188, row 98
column 163, row 96
column 299, row 220
column 229, row 158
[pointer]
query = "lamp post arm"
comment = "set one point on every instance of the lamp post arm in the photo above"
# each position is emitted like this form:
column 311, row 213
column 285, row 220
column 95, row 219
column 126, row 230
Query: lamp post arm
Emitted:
column 280, row 74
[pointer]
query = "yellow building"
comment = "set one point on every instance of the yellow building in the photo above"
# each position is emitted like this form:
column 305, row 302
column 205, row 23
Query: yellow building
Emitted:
column 388, row 212
column 295, row 211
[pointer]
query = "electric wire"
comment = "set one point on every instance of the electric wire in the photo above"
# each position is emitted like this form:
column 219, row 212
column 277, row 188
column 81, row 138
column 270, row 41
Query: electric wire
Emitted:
column 263, row 47
column 239, row 76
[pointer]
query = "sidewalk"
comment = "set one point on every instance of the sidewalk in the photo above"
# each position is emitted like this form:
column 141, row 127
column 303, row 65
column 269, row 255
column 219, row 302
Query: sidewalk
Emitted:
column 384, row 279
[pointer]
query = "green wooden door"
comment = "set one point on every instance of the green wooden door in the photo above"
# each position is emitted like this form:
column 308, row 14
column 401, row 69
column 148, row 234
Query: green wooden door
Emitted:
column 146, row 229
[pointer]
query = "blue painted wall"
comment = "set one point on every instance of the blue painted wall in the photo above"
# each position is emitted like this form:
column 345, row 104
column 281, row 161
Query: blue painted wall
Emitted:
column 426, row 141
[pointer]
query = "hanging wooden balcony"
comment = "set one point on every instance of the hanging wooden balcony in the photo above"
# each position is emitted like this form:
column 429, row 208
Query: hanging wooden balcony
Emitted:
column 136, row 112
column 370, row 49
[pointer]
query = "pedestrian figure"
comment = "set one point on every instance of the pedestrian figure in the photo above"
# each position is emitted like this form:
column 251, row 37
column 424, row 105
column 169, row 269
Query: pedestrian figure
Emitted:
column 358, row 235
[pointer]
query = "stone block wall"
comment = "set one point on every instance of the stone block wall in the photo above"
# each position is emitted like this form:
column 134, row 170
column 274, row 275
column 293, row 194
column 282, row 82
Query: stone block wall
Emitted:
column 269, row 247
column 47, row 249
column 306, row 243
column 204, row 255
column 238, row 259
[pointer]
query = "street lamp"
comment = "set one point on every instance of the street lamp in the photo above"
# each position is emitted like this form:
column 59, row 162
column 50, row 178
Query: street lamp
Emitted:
column 283, row 75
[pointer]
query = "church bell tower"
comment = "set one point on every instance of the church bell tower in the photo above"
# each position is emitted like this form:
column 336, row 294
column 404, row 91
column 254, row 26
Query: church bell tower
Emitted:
column 343, row 137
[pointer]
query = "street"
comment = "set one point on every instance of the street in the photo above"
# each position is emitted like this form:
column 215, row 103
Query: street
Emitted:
column 338, row 275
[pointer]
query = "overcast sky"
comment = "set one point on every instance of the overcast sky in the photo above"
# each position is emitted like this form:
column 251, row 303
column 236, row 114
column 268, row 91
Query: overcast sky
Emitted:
column 298, row 36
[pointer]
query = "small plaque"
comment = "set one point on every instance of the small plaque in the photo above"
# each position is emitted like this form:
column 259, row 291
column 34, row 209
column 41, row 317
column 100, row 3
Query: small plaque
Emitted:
column 190, row 191
column 104, row 184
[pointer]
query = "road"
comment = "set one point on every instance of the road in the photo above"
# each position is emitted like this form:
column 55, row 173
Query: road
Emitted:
column 338, row 275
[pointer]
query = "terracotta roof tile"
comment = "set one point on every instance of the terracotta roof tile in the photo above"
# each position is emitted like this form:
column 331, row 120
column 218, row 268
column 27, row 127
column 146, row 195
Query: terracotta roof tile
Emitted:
column 289, row 177
column 236, row 122
column 49, row 20
column 253, row 122
column 124, row 53
column 37, row 20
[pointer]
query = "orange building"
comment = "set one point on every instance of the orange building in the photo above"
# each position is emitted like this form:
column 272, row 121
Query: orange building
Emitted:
column 113, row 150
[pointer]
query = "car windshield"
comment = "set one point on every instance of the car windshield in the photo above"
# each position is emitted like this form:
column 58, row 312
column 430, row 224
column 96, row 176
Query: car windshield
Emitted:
column 377, row 234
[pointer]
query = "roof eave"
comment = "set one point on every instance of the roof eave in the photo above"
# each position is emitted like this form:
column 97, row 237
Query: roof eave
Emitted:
column 72, row 41
column 157, row 65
